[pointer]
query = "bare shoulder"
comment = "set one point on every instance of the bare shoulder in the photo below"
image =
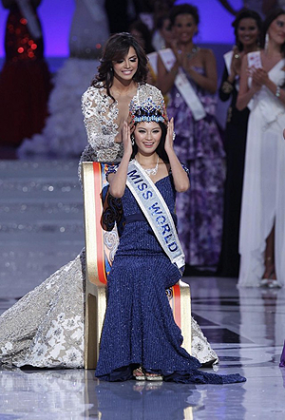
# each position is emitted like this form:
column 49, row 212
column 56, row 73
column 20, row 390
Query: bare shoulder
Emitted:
column 207, row 53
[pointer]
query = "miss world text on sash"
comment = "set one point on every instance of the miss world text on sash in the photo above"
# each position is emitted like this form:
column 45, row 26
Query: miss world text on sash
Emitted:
column 156, row 212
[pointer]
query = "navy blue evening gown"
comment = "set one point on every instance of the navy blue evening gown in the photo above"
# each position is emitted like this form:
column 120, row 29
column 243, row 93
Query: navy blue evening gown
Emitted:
column 139, row 328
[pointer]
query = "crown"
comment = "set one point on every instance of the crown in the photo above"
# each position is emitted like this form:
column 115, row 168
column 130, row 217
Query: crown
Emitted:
column 148, row 106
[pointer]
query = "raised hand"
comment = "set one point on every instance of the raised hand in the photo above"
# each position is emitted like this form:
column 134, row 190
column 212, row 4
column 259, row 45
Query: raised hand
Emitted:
column 126, row 136
column 168, row 145
column 131, row 123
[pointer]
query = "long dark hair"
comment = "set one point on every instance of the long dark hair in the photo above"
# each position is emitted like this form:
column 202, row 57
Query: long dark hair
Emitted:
column 246, row 14
column 270, row 18
column 116, row 48
column 160, row 148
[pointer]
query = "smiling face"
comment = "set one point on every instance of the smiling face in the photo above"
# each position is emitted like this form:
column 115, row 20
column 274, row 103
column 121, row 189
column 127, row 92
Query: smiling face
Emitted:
column 184, row 28
column 248, row 32
column 147, row 137
column 126, row 68
column 276, row 30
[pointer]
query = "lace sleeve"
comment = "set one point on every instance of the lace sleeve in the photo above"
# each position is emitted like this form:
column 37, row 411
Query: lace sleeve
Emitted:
column 99, row 119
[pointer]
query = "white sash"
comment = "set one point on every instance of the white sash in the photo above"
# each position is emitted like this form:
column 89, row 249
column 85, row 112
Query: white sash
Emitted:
column 183, row 85
column 156, row 212
column 228, row 60
column 253, row 59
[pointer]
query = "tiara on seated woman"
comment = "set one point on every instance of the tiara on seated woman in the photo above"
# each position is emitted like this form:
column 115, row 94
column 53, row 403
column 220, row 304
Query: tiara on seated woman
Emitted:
column 148, row 108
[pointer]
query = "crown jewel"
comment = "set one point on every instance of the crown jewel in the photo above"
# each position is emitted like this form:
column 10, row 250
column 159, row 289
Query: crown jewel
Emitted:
column 148, row 107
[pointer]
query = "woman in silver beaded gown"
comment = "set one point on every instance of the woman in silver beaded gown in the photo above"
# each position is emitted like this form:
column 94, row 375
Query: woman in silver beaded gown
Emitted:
column 46, row 327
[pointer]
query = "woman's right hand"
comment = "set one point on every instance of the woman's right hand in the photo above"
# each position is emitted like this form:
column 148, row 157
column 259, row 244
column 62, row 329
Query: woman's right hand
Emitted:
column 259, row 78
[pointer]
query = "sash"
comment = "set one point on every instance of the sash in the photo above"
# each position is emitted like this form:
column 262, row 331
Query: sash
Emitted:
column 156, row 212
column 183, row 85
column 253, row 60
column 228, row 60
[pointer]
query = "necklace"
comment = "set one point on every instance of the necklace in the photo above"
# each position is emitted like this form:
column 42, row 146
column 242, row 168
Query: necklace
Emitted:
column 152, row 171
column 193, row 52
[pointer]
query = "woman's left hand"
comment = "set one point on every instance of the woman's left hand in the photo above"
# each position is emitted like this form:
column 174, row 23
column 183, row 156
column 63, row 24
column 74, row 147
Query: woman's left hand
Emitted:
column 170, row 135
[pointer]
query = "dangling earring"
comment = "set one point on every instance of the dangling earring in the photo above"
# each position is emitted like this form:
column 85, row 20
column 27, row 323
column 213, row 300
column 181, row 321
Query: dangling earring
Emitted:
column 266, row 42
column 133, row 140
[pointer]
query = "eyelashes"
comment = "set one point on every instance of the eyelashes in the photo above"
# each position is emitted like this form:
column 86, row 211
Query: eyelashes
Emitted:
column 132, row 60
column 153, row 132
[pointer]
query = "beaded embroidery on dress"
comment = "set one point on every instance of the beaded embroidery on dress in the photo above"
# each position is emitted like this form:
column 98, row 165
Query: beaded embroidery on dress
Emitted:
column 46, row 327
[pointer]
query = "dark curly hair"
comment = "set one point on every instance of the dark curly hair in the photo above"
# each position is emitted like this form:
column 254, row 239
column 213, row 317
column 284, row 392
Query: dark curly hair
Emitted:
column 246, row 14
column 117, row 48
column 270, row 18
column 184, row 9
column 160, row 148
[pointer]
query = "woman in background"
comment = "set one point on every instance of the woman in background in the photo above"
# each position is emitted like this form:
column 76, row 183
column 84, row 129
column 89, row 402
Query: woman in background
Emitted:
column 188, row 73
column 247, row 29
column 262, row 232
column 162, row 36
column 25, row 79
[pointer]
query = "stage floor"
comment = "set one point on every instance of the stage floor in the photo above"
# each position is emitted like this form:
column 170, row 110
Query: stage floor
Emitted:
column 41, row 228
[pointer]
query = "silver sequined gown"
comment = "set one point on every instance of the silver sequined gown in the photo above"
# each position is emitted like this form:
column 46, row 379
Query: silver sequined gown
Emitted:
column 46, row 327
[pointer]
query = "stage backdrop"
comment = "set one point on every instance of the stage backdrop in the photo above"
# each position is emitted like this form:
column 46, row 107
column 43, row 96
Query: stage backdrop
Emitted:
column 56, row 16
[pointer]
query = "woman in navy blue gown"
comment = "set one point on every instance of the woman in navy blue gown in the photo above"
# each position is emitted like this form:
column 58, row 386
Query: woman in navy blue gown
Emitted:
column 140, row 338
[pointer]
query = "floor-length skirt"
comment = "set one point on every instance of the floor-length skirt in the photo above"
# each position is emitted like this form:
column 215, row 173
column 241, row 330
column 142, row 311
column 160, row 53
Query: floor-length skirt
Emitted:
column 45, row 328
column 263, row 200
